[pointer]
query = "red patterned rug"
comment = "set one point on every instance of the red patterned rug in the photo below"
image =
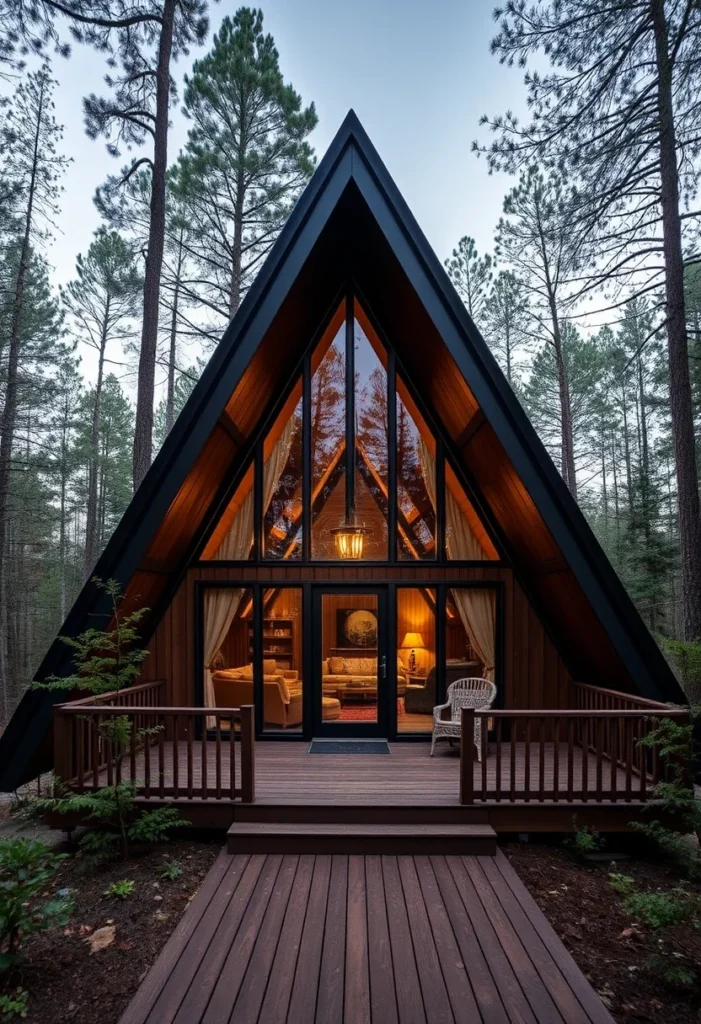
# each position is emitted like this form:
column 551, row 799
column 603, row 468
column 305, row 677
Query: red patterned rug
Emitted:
column 365, row 712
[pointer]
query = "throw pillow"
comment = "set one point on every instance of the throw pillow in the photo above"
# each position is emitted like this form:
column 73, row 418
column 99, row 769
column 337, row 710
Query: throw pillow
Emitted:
column 246, row 672
column 269, row 666
column 337, row 666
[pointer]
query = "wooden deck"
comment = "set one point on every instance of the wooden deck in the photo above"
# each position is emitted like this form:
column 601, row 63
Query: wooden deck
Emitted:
column 353, row 939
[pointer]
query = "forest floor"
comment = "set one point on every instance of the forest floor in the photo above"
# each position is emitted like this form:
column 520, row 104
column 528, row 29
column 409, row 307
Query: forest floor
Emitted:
column 66, row 976
column 612, row 949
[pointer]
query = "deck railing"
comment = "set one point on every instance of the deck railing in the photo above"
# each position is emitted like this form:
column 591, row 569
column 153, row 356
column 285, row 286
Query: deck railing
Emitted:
column 567, row 756
column 172, row 753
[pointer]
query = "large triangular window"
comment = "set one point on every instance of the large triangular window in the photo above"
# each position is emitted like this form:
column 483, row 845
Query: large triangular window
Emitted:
column 349, row 471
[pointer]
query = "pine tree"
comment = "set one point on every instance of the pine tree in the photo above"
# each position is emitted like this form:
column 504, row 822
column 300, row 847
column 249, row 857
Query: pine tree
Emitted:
column 534, row 239
column 103, row 302
column 247, row 158
column 31, row 136
column 472, row 276
column 504, row 320
column 618, row 108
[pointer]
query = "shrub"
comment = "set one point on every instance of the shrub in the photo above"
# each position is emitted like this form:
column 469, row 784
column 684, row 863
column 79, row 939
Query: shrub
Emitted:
column 14, row 1006
column 27, row 867
column 584, row 840
column 121, row 890
column 657, row 909
column 677, row 974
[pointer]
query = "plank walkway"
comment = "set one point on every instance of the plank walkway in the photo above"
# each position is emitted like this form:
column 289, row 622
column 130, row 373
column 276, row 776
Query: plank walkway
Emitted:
column 364, row 940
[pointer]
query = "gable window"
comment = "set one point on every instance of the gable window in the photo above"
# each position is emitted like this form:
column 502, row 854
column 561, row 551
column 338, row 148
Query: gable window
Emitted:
column 349, row 467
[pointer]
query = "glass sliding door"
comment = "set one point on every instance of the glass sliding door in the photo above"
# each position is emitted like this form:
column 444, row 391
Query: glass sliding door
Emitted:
column 350, row 661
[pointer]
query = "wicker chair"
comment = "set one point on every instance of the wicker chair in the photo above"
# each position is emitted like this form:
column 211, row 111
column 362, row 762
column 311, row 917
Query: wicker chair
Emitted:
column 463, row 693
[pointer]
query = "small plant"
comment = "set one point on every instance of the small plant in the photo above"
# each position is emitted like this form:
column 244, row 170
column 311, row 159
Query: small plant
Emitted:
column 679, row 975
column 112, row 813
column 27, row 867
column 656, row 909
column 14, row 1006
column 171, row 870
column 121, row 890
column 584, row 840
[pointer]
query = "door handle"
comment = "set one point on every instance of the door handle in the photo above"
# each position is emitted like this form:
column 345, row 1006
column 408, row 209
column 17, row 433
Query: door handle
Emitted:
column 383, row 666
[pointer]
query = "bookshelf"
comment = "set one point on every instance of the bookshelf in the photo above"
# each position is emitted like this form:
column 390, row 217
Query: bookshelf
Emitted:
column 278, row 641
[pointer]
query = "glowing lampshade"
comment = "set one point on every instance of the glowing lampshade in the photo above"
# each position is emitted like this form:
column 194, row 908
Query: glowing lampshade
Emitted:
column 349, row 538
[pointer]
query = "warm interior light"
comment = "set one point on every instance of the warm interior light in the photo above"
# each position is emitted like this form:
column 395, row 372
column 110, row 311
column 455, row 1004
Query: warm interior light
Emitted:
column 413, row 641
column 349, row 538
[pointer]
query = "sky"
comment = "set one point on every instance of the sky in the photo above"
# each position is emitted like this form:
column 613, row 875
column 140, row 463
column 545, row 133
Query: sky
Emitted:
column 417, row 75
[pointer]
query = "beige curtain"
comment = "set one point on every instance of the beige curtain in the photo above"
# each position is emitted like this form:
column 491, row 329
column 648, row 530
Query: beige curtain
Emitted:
column 220, row 605
column 476, row 605
column 477, row 609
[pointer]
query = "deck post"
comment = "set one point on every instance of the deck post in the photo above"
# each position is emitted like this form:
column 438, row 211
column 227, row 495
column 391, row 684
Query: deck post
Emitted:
column 248, row 785
column 467, row 734
column 63, row 746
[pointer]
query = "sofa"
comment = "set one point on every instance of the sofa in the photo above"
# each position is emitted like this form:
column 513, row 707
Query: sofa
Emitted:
column 282, row 693
column 348, row 673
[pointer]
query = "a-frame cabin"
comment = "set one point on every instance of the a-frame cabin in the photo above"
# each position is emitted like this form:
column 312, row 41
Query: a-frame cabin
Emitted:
column 351, row 513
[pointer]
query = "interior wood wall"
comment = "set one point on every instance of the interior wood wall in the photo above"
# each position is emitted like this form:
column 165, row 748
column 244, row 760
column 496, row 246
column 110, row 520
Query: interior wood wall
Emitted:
column 534, row 674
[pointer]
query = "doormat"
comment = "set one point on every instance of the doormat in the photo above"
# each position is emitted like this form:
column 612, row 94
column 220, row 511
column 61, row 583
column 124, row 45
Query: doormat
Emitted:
column 349, row 747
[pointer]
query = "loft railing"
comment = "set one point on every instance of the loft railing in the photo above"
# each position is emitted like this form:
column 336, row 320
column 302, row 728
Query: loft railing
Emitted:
column 567, row 756
column 172, row 753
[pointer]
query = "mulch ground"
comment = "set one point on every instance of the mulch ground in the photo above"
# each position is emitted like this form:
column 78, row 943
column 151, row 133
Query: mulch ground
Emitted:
column 65, row 981
column 610, row 948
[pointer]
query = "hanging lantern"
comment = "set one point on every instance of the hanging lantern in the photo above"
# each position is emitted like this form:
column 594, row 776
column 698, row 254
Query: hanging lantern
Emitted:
column 349, row 537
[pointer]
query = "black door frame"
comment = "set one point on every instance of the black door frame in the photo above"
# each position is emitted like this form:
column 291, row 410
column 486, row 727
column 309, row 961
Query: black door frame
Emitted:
column 386, row 680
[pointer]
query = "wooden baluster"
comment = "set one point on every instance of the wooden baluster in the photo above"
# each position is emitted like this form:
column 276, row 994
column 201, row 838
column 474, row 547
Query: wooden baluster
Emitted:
column 147, row 766
column 541, row 760
column 63, row 756
column 162, row 761
column 95, row 748
column 467, row 732
column 79, row 755
column 512, row 764
column 613, row 754
column 599, row 726
column 217, row 720
column 190, row 730
column 643, row 761
column 570, row 760
column 556, row 759
column 484, row 753
column 248, row 785
column 108, row 755
column 176, row 754
column 203, row 760
column 132, row 748
column 498, row 733
column 527, row 761
column 232, row 758
column 629, row 757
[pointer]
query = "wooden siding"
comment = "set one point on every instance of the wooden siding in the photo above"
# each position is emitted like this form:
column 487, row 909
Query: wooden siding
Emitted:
column 534, row 674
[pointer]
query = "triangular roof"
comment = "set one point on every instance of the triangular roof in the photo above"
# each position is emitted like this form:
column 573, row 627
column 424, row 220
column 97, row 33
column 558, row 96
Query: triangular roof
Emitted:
column 352, row 227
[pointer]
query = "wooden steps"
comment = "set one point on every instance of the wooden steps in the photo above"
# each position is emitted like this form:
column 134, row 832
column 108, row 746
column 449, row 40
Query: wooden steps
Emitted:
column 356, row 813
column 359, row 838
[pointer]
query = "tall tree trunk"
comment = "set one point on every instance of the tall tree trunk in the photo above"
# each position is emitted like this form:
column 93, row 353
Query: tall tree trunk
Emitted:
column 62, row 524
column 626, row 452
column 9, row 413
column 170, row 395
column 677, row 345
column 237, row 249
column 567, row 438
column 143, row 433
column 92, row 544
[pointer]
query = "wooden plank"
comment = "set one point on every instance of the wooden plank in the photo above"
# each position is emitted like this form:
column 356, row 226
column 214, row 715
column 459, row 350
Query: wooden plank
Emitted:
column 512, row 995
column 225, row 870
column 357, row 978
column 433, row 989
column 410, row 1003
column 255, row 980
column 595, row 1009
column 329, row 1006
column 229, row 975
column 457, row 982
column 278, row 994
column 383, row 996
column 530, row 982
column 306, row 981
